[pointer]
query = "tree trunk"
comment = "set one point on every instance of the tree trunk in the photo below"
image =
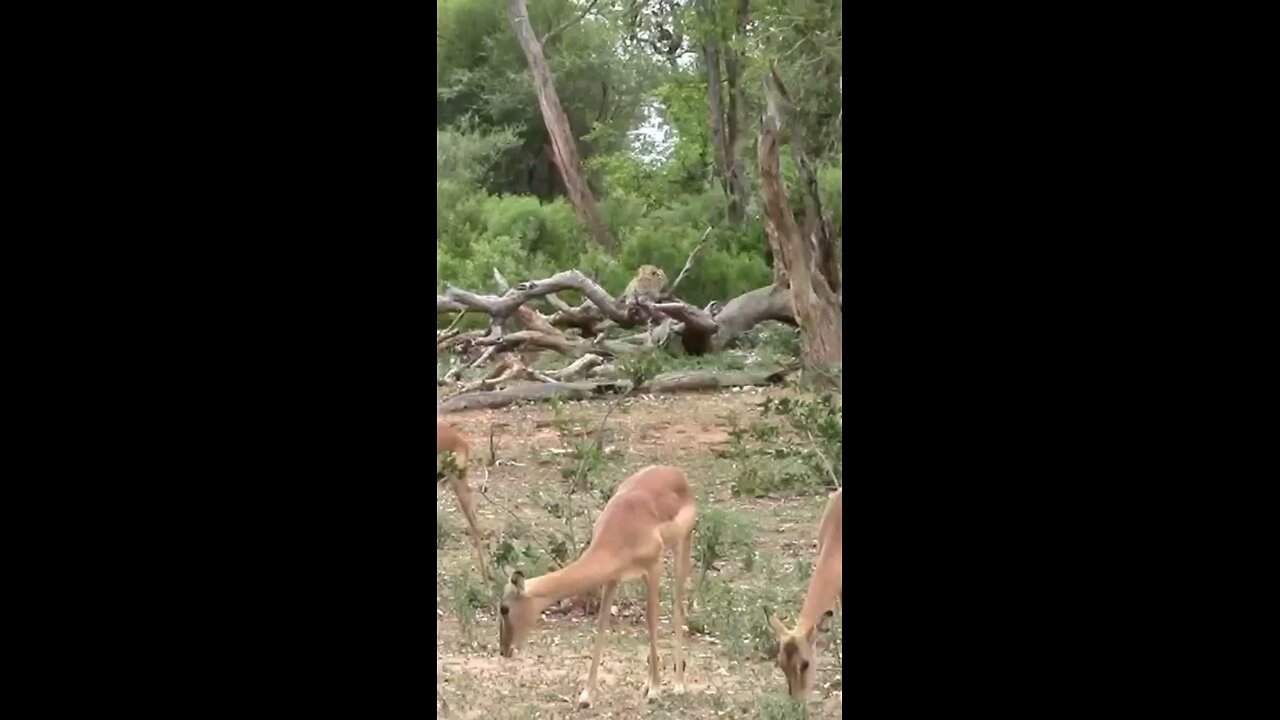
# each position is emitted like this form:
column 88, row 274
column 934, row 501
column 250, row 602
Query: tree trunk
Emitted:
column 816, row 304
column 734, row 176
column 817, row 228
column 715, row 107
column 563, row 145
column 780, row 277
column 724, row 130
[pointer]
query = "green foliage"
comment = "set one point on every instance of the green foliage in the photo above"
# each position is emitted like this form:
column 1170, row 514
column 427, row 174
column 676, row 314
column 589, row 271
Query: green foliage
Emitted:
column 776, row 340
column 526, row 239
column 481, row 72
column 780, row 706
column 720, row 534
column 446, row 462
column 795, row 447
column 444, row 529
column 465, row 154
column 465, row 597
column 640, row 369
column 523, row 551
column 731, row 611
column 642, row 128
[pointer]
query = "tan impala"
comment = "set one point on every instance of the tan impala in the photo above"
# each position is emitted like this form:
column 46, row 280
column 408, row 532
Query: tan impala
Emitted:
column 652, row 510
column 448, row 440
column 797, row 649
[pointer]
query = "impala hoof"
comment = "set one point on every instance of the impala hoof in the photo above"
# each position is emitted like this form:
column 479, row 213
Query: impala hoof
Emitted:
column 584, row 700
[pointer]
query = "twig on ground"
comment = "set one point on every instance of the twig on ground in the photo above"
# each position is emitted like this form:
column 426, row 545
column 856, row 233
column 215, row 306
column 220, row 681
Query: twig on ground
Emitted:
column 825, row 463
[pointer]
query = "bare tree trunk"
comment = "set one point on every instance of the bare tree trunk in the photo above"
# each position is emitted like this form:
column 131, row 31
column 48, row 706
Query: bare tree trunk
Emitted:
column 724, row 130
column 734, row 177
column 816, row 304
column 817, row 227
column 715, row 107
column 780, row 276
column 564, row 146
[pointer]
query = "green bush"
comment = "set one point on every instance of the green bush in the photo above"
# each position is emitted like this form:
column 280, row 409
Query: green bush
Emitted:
column 797, row 446
column 525, row 238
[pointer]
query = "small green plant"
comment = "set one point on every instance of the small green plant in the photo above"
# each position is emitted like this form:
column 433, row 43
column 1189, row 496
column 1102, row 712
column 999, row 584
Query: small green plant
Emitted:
column 642, row 368
column 444, row 529
column 584, row 458
column 466, row 597
column 730, row 612
column 720, row 534
column 446, row 463
column 804, row 570
column 776, row 706
column 796, row 446
column 529, row 557
column 777, row 341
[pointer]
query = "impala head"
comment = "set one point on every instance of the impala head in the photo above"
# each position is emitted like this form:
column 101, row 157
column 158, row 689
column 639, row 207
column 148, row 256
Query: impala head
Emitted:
column 517, row 613
column 798, row 653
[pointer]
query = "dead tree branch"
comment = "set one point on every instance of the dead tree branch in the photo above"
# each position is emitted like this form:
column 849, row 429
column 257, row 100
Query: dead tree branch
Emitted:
column 578, row 368
column 666, row 383
column 568, row 24
column 500, row 281
column 700, row 330
column 688, row 263
column 563, row 344
column 455, row 298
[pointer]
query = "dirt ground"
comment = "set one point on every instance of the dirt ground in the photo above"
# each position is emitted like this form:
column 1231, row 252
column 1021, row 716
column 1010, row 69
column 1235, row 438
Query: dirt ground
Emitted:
column 727, row 674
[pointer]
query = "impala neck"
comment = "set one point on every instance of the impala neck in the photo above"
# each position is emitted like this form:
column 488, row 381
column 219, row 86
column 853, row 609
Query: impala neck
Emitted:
column 823, row 590
column 588, row 572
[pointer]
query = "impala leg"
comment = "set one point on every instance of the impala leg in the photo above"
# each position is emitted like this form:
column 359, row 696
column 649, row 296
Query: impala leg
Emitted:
column 651, row 580
column 468, row 503
column 606, row 599
column 683, row 562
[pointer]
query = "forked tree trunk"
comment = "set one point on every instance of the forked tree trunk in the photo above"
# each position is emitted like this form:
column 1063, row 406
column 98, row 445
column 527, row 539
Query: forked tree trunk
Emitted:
column 816, row 304
column 563, row 145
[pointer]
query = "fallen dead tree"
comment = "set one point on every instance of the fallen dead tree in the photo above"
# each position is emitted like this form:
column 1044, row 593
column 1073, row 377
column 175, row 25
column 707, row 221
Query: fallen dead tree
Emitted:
column 806, row 292
column 691, row 381
column 561, row 343
column 701, row 330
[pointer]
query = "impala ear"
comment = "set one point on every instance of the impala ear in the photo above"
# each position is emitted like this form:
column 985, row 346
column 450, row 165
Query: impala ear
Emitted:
column 822, row 626
column 824, row 622
column 517, row 581
column 779, row 629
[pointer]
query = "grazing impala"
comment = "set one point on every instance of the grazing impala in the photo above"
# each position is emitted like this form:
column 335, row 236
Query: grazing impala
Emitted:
column 797, row 649
column 651, row 511
column 448, row 440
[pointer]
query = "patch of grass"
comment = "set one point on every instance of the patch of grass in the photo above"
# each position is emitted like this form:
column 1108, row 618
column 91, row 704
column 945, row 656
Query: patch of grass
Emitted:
column 760, row 552
column 444, row 529
column 776, row 341
column 720, row 534
column 465, row 597
column 778, row 706
column 733, row 612
column 795, row 447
